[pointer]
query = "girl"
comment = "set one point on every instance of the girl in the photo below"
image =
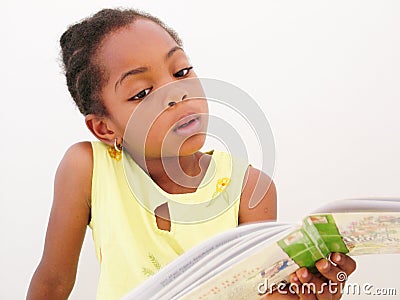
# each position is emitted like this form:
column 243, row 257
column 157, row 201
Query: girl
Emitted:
column 114, row 61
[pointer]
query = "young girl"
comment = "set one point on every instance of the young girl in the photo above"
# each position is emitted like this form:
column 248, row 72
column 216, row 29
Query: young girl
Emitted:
column 113, row 62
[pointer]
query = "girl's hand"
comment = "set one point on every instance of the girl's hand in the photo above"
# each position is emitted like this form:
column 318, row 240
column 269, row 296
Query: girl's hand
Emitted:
column 327, row 284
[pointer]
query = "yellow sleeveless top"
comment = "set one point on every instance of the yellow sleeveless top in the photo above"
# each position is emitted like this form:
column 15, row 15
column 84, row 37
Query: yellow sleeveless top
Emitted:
column 129, row 245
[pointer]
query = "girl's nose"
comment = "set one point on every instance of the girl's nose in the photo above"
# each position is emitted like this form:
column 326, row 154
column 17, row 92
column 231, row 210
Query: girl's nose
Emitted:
column 172, row 103
column 172, row 99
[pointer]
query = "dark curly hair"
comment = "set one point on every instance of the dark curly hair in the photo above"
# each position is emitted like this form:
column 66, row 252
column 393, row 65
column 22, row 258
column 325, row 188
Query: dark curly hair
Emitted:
column 79, row 43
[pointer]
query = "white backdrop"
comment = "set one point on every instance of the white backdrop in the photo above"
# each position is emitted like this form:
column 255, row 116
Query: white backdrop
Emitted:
column 325, row 73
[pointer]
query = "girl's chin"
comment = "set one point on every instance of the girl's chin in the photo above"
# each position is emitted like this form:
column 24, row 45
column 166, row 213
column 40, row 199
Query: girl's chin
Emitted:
column 189, row 146
column 192, row 144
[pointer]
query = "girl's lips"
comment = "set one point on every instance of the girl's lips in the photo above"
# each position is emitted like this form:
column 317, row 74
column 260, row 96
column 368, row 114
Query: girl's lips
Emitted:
column 188, row 125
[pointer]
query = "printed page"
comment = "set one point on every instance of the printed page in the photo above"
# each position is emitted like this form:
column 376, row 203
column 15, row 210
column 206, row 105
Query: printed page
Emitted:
column 370, row 233
column 322, row 228
column 219, row 261
column 302, row 249
column 255, row 272
column 219, row 264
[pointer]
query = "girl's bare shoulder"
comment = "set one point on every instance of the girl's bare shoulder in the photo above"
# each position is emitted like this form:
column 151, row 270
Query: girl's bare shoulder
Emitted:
column 80, row 150
column 78, row 157
column 75, row 169
column 258, row 201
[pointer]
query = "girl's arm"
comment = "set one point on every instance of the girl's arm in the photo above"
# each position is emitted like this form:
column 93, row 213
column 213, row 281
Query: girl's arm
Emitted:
column 257, row 203
column 54, row 277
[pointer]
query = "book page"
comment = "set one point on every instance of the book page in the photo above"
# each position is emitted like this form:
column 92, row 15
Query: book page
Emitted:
column 254, row 273
column 221, row 260
column 370, row 233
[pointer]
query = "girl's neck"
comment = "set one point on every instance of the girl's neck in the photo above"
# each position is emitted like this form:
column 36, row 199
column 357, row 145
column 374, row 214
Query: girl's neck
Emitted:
column 177, row 175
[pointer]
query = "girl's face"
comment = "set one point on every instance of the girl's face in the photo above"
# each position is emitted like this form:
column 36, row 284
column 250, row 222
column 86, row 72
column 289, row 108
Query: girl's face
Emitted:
column 138, row 60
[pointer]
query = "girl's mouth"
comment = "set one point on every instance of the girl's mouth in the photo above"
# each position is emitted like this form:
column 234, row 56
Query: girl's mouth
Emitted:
column 188, row 125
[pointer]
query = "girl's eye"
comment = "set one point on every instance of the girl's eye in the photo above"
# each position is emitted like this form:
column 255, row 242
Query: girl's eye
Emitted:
column 183, row 72
column 140, row 95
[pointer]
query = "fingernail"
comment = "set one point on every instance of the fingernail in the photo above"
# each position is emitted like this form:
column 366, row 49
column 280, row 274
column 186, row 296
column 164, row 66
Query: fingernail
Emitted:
column 337, row 257
column 325, row 264
column 304, row 274
column 295, row 279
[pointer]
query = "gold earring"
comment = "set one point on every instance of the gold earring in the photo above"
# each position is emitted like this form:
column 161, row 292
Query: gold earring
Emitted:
column 116, row 151
column 117, row 147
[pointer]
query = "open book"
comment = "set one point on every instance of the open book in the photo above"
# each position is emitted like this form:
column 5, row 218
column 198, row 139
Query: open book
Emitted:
column 244, row 262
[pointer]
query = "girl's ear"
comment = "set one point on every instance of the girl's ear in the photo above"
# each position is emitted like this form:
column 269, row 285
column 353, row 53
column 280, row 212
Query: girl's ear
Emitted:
column 101, row 128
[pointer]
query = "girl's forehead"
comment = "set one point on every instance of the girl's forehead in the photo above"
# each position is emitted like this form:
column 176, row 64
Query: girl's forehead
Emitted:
column 143, row 39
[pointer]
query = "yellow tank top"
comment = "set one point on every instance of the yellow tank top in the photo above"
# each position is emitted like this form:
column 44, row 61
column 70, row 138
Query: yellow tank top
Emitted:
column 129, row 245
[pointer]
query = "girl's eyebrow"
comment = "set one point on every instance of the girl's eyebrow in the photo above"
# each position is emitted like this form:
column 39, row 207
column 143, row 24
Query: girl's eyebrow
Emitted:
column 129, row 73
column 144, row 69
column 172, row 51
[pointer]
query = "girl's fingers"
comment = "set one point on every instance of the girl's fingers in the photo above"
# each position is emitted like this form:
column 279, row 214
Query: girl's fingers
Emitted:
column 325, row 285
column 296, row 287
column 336, row 274
column 309, row 286
column 344, row 262
column 339, row 273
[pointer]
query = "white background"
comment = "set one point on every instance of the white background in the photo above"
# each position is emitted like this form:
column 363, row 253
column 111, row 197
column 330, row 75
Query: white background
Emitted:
column 325, row 73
